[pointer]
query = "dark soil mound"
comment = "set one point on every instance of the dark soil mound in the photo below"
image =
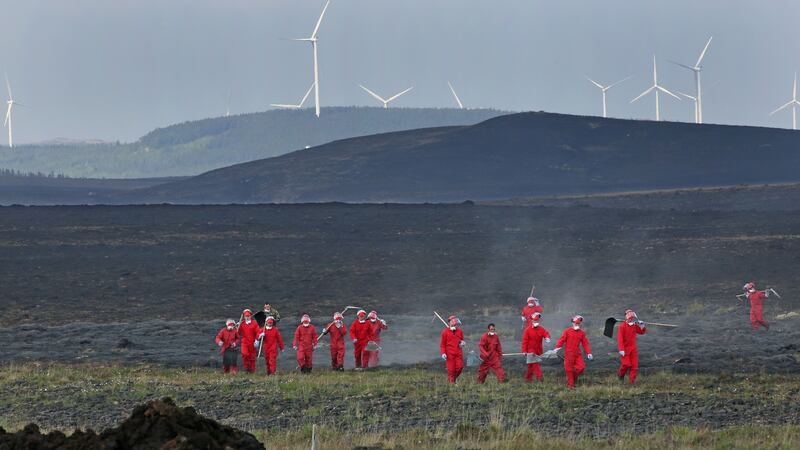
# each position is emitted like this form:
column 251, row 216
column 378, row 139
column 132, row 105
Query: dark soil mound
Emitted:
column 157, row 425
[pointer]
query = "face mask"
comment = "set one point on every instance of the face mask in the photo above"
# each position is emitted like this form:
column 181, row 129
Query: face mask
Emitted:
column 535, row 324
column 338, row 323
column 452, row 328
column 246, row 320
column 491, row 333
column 230, row 327
column 576, row 327
column 305, row 324
column 361, row 320
column 373, row 320
column 269, row 327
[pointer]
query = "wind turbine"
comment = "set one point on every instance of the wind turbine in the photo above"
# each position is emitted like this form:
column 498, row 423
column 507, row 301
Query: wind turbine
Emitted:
column 381, row 99
column 655, row 87
column 313, row 39
column 697, row 68
column 228, row 106
column 297, row 106
column 458, row 100
column 794, row 104
column 604, row 89
column 7, row 122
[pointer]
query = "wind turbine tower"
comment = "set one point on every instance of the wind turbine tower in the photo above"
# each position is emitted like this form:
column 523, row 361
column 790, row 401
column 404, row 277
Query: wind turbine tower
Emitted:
column 604, row 89
column 696, row 69
column 794, row 104
column 655, row 88
column 313, row 39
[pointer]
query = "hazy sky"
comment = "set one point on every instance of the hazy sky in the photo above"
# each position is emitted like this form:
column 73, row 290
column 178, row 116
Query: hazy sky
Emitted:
column 115, row 69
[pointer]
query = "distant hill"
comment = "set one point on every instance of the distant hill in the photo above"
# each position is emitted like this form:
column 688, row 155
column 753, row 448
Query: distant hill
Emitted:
column 195, row 147
column 518, row 155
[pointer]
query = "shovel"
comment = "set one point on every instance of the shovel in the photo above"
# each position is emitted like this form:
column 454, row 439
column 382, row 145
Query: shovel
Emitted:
column 372, row 346
column 608, row 330
column 329, row 325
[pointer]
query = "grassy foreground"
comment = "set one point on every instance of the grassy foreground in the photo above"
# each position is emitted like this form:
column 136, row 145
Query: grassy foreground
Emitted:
column 416, row 408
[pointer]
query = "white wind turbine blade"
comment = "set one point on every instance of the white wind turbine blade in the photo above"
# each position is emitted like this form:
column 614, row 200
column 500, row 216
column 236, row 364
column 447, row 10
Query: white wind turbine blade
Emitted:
column 703, row 53
column 8, row 116
column 595, row 83
column 682, row 65
column 643, row 94
column 378, row 97
column 8, row 87
column 302, row 39
column 282, row 106
column 319, row 22
column 305, row 97
column 664, row 90
column 458, row 100
column 794, row 88
column 655, row 72
column 618, row 82
column 398, row 95
column 783, row 107
column 687, row 96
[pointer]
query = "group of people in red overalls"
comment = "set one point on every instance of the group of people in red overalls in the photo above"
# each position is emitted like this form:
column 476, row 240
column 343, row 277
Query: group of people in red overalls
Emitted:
column 572, row 340
column 248, row 338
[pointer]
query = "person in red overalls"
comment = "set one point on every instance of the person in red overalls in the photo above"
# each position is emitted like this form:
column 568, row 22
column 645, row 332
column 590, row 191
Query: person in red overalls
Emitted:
column 248, row 332
column 370, row 358
column 228, row 339
column 491, row 355
column 305, row 342
column 532, row 343
column 756, row 306
column 533, row 306
column 337, row 331
column 451, row 343
column 572, row 338
column 359, row 333
column 271, row 342
column 626, row 339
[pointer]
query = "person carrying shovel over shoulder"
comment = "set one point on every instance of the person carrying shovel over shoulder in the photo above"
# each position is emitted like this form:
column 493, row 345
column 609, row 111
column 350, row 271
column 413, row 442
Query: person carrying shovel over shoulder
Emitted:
column 532, row 306
column 532, row 343
column 626, row 339
column 572, row 339
column 756, row 299
column 337, row 330
column 228, row 340
column 271, row 342
column 270, row 311
column 451, row 345
column 491, row 356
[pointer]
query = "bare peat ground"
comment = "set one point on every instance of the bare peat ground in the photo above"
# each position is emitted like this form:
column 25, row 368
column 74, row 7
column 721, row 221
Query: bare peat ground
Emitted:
column 107, row 289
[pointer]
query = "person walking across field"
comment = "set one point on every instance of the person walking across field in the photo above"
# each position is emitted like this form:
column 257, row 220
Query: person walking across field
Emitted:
column 571, row 340
column 227, row 340
column 451, row 344
column 626, row 340
column 532, row 343
column 491, row 355
column 305, row 342
column 271, row 341
column 248, row 332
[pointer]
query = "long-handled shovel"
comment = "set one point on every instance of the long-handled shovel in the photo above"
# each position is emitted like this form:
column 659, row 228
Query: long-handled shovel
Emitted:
column 330, row 324
column 608, row 330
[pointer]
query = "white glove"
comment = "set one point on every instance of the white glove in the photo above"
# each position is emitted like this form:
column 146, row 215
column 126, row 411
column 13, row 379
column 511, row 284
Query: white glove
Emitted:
column 522, row 317
column 383, row 322
column 622, row 353
column 233, row 345
column 766, row 293
column 590, row 357
column 642, row 324
column 547, row 340
column 556, row 349
column 255, row 344
column 261, row 336
column 295, row 348
column 444, row 357
column 355, row 340
column 462, row 344
column 219, row 343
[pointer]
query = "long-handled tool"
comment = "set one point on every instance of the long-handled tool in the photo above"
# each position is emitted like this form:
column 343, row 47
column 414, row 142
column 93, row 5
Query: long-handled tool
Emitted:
column 440, row 318
column 329, row 325
column 766, row 291
column 608, row 330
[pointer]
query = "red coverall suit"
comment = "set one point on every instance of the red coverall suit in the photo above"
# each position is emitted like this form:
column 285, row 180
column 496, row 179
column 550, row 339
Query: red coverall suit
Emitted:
column 450, row 345
column 492, row 356
column 248, row 332
column 371, row 356
column 359, row 332
column 571, row 341
column 273, row 341
column 757, row 310
column 305, row 339
column 528, row 311
column 626, row 338
column 532, row 343
column 337, row 335
column 229, row 340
